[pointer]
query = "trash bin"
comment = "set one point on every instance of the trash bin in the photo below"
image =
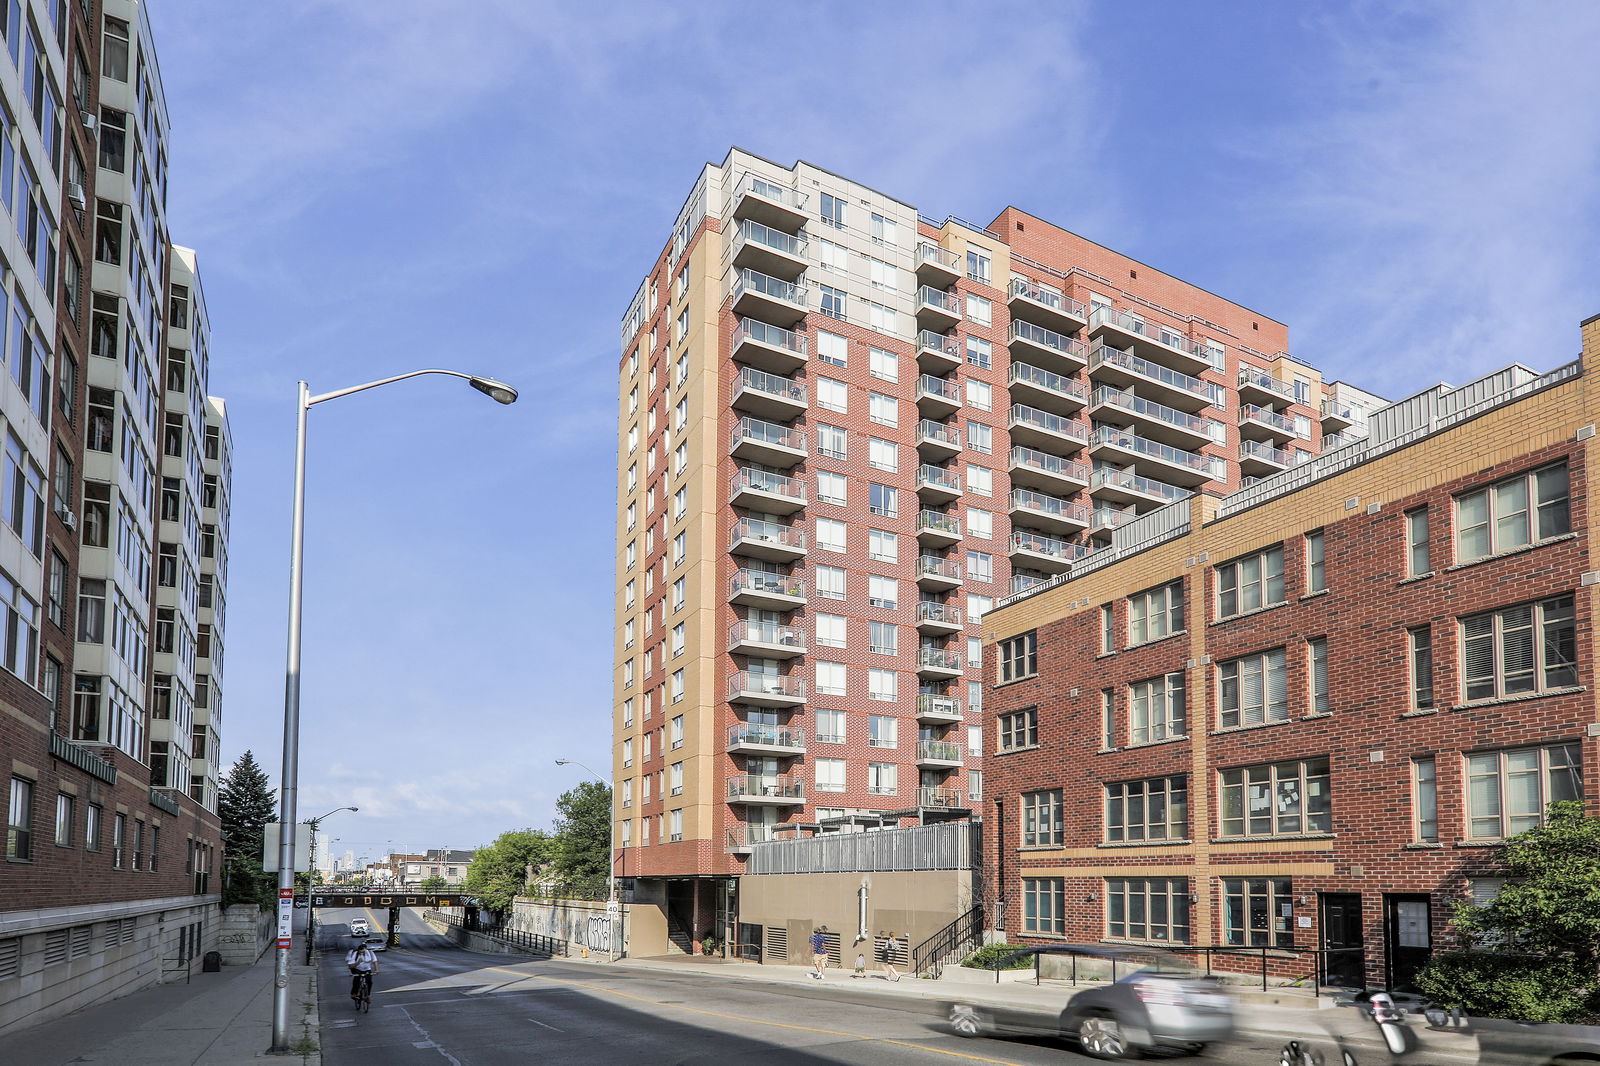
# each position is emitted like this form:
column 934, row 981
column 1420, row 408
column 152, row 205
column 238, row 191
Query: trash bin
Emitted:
column 212, row 962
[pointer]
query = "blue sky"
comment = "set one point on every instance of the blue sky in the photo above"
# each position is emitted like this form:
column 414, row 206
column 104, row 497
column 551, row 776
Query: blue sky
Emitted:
column 375, row 188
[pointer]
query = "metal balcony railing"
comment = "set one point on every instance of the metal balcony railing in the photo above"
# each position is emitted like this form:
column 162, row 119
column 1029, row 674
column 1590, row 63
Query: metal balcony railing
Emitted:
column 1064, row 386
column 1047, row 463
column 939, row 299
column 1122, row 438
column 767, row 481
column 772, row 336
column 1055, row 506
column 767, row 633
column 762, row 581
column 774, row 385
column 948, row 706
column 944, row 388
column 1066, row 346
column 753, row 232
column 1266, row 382
column 766, row 736
column 1127, row 479
column 930, row 476
column 939, row 522
column 760, row 431
column 1105, row 355
column 940, row 257
column 928, row 429
column 776, row 533
column 940, row 750
column 938, row 659
column 1039, row 293
column 1126, row 400
column 933, row 611
column 777, row 786
column 1268, row 417
column 933, row 566
column 743, row 681
column 1071, row 428
column 753, row 281
column 1039, row 544
column 942, row 343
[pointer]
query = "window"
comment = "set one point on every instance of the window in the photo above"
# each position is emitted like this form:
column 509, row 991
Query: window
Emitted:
column 884, row 365
column 883, row 455
column 978, row 606
column 884, row 500
column 832, row 395
column 980, row 310
column 883, row 546
column 1019, row 729
column 1155, row 613
column 1276, row 799
column 975, row 781
column 978, row 266
column 1148, row 909
column 980, row 438
column 1019, row 657
column 980, row 523
column 675, row 778
column 1250, row 583
column 883, row 731
column 677, row 694
column 676, row 731
column 883, row 685
column 830, row 727
column 627, row 792
column 832, row 348
column 884, row 410
column 830, row 775
column 19, row 820
column 56, row 608
column 93, row 815
column 1316, row 570
column 1157, row 709
column 975, row 741
column 830, row 630
column 1254, row 689
column 1153, row 809
column 677, row 639
column 675, row 825
column 831, row 442
column 830, row 582
column 830, row 534
column 1041, row 818
column 1508, row 791
column 1043, row 906
column 832, row 211
column 1420, row 644
column 975, row 698
column 1317, row 654
column 884, row 230
column 975, row 651
column 119, row 839
column 831, row 488
column 980, row 353
column 1257, row 912
column 1512, row 513
column 833, row 301
column 831, row 257
column 1425, row 799
column 830, row 679
column 1531, row 647
column 979, row 394
column 1417, row 542
column 627, row 751
column 883, row 592
column 980, row 566
column 883, row 638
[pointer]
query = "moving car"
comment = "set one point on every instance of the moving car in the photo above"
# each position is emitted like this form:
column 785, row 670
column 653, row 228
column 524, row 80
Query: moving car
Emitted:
column 377, row 943
column 1158, row 1001
column 358, row 927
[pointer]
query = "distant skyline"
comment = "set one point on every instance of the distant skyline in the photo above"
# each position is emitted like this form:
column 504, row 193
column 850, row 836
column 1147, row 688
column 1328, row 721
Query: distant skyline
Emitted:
column 378, row 188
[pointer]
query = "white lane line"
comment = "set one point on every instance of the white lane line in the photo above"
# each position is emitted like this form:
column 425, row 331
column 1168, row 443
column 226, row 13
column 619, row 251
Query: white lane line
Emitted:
column 428, row 1041
column 547, row 1025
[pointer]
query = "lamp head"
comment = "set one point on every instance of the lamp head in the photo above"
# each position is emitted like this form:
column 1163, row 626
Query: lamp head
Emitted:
column 498, row 391
column 563, row 762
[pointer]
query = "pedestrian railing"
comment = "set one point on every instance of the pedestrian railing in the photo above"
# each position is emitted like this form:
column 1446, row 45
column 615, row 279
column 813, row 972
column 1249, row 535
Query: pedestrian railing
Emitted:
column 533, row 943
column 959, row 937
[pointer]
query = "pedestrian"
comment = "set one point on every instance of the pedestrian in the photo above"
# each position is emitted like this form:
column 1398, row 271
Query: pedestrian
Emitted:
column 890, row 948
column 861, row 965
column 819, row 952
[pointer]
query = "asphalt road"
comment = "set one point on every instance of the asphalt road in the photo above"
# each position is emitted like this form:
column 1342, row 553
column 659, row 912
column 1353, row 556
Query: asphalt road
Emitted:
column 437, row 1005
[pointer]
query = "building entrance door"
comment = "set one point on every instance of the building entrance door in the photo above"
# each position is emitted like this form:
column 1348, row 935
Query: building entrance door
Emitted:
column 1344, row 956
column 1408, row 939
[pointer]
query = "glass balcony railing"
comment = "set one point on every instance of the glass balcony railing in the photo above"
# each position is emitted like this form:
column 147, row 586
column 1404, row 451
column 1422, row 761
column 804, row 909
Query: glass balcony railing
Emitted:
column 1268, row 417
column 1026, row 289
column 943, row 388
column 769, row 335
column 747, row 632
column 752, row 232
column 1128, row 322
column 753, row 281
column 759, row 431
column 1125, row 400
column 932, row 611
column 945, row 706
column 933, row 566
column 1104, row 354
column 775, row 533
column 1342, row 411
column 764, row 582
column 744, row 682
column 1111, row 518
column 938, row 659
column 754, row 185
column 1039, row 544
column 946, row 344
column 767, row 481
column 1260, row 379
column 938, row 797
column 1132, row 442
column 1054, row 506
column 942, row 258
column 774, row 385
column 938, row 522
column 1046, row 463
column 939, row 751
column 1127, row 479
column 1265, row 453
column 939, row 300
column 769, row 736
column 928, row 429
column 1060, row 343
column 937, row 477
column 762, row 786
column 1043, row 379
column 1071, row 428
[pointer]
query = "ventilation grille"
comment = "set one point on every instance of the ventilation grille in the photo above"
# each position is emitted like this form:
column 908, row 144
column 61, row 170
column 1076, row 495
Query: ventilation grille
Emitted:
column 830, row 941
column 80, row 940
column 55, row 947
column 895, row 951
column 777, row 942
column 10, row 958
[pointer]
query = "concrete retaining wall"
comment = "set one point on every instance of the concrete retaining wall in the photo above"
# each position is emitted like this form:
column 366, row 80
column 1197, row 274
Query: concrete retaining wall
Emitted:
column 246, row 931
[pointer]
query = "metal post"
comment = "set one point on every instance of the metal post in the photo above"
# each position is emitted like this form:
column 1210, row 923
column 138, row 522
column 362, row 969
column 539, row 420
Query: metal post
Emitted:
column 311, row 914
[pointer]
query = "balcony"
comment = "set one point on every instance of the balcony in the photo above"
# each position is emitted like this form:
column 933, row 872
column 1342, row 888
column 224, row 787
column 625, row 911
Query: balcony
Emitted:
column 937, row 528
column 1029, row 425
column 766, row 690
column 1034, row 301
column 1049, row 554
column 937, row 574
column 935, row 617
column 741, row 840
column 937, row 266
column 1156, row 421
column 767, row 443
column 775, row 542
column 936, row 662
column 937, row 309
column 1151, row 458
column 1258, row 386
column 1263, row 423
column 1107, row 519
column 938, row 353
column 1041, row 470
column 762, row 490
column 768, row 250
column 1032, row 508
column 1067, row 355
column 768, row 203
column 1048, row 390
column 937, row 484
column 775, row 790
column 1338, row 417
column 769, row 348
column 1150, row 340
column 779, row 302
column 766, row 639
column 939, row 797
column 1124, row 486
column 773, row 592
column 932, row 708
column 1116, row 367
column 939, row 753
column 769, row 395
column 937, row 397
column 1259, row 460
column 937, row 440
column 765, row 740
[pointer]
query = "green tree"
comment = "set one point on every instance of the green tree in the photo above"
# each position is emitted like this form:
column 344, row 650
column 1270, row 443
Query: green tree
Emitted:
column 246, row 802
column 1533, row 954
column 435, row 883
column 582, row 854
column 501, row 871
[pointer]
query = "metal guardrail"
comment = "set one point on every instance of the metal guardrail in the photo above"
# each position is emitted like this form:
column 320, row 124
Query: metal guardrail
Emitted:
column 940, row 846
column 534, row 943
column 959, row 937
column 1265, row 954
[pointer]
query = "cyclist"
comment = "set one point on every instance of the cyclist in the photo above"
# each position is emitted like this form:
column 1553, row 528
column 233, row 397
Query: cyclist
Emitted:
column 363, row 963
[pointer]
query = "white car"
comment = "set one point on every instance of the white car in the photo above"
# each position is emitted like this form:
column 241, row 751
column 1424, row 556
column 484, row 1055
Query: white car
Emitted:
column 376, row 943
column 358, row 927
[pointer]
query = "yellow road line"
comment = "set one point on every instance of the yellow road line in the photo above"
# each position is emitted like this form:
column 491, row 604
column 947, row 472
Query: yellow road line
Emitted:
column 755, row 1021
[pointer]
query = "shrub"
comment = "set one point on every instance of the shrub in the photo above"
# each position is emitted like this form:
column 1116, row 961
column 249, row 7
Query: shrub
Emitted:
column 1502, row 985
column 986, row 958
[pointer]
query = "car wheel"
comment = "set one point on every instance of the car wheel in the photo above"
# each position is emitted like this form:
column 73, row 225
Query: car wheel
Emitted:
column 1295, row 1053
column 1101, row 1035
column 968, row 1020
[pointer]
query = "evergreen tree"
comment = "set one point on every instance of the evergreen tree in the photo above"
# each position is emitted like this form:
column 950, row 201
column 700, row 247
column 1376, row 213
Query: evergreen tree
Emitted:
column 246, row 802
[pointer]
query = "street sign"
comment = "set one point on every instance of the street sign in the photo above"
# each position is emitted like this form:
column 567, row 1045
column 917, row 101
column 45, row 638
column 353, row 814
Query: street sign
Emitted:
column 271, row 839
column 285, row 916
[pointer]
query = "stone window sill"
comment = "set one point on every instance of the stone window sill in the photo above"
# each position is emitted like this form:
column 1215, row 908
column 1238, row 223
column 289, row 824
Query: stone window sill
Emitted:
column 1509, row 552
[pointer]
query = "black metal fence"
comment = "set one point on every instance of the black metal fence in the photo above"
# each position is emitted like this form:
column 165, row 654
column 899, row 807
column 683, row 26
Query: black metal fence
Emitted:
column 962, row 935
column 532, row 943
column 1265, row 955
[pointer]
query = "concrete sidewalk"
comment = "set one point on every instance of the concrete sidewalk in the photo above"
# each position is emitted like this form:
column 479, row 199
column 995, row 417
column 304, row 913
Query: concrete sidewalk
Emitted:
column 217, row 1019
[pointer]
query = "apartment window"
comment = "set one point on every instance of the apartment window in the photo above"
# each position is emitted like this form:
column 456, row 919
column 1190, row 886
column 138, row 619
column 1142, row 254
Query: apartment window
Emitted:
column 1019, row 729
column 677, row 639
column 1155, row 613
column 627, row 792
column 1512, row 513
column 830, row 630
column 975, row 781
column 832, row 488
column 1019, row 657
column 1317, row 656
column 1250, row 583
column 119, row 839
column 831, row 442
column 92, row 816
column 1148, row 909
column 832, row 211
column 675, row 826
column 978, row 267
column 831, row 257
column 1254, row 689
column 56, row 589
column 883, row 455
column 980, row 566
column 975, row 741
column 883, row 731
column 1316, row 570
column 980, row 353
column 19, row 821
column 884, row 365
column 1043, row 906
column 980, row 523
column 1531, row 647
column 883, row 546
column 1276, row 799
column 884, row 410
column 675, row 778
column 832, row 395
column 627, row 711
column 978, row 606
column 677, row 694
column 627, row 751
column 980, row 438
column 680, row 503
column 980, row 310
column 832, row 348
column 830, row 582
column 830, row 727
column 980, row 481
column 830, row 534
column 883, row 685
column 830, row 775
column 1153, row 809
column 833, row 301
column 883, row 592
column 1108, row 633
column 1425, row 799
column 1157, row 709
column 884, row 230
column 975, row 698
column 830, row 679
column 1417, row 542
column 1041, row 818
column 884, row 500
column 975, row 651
column 1420, row 652
column 676, row 732
column 679, row 592
column 1108, row 719
column 1508, row 791
column 680, row 547
column 979, row 394
column 883, row 638
column 1257, row 912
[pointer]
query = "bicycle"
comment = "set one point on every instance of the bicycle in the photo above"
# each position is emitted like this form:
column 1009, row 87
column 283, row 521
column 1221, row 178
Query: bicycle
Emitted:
column 363, row 992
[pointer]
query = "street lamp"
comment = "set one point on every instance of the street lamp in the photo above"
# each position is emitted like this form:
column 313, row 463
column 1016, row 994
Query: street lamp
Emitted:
column 500, row 392
column 615, row 905
column 311, row 911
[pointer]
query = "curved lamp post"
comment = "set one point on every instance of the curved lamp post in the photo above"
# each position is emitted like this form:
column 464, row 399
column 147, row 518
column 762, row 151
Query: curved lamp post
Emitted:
column 498, row 391
column 614, row 905
column 311, row 912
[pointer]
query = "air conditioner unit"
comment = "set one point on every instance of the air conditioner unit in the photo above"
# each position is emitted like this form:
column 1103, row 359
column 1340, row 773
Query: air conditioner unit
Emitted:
column 68, row 519
column 89, row 121
column 75, row 195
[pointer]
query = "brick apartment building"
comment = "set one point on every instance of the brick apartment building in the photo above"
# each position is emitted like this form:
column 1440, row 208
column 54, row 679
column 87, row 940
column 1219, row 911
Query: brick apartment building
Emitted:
column 845, row 430
column 1302, row 714
column 113, row 556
